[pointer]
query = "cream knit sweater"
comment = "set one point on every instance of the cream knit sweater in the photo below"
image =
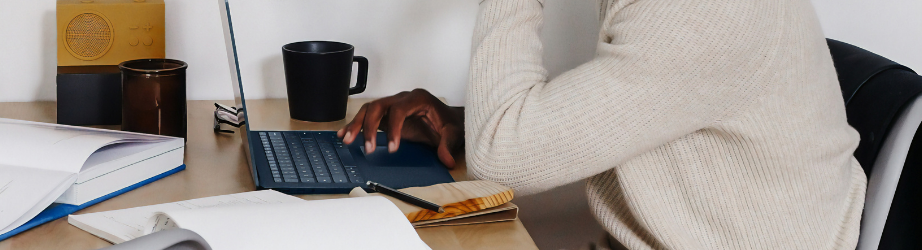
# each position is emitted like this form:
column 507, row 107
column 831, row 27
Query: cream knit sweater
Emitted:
column 699, row 124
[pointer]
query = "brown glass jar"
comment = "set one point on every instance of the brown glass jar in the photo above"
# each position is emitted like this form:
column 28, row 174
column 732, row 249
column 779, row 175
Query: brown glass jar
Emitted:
column 154, row 96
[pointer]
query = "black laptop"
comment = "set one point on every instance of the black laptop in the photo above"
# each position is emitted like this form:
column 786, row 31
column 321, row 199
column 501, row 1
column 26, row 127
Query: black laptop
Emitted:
column 301, row 162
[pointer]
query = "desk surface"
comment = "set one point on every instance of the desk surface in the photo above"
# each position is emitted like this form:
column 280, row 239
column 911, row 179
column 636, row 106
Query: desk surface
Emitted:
column 215, row 165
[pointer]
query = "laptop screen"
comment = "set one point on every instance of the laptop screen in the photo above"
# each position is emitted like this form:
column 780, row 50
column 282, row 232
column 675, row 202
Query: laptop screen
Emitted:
column 230, row 45
column 236, row 83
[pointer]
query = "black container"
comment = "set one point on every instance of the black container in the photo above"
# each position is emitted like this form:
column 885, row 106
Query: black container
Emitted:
column 89, row 95
column 317, row 74
column 154, row 96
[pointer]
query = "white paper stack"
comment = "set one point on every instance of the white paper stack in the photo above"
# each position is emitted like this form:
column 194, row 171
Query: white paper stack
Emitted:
column 265, row 220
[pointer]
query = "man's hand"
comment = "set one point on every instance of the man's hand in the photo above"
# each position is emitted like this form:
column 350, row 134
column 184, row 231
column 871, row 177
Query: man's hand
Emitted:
column 416, row 116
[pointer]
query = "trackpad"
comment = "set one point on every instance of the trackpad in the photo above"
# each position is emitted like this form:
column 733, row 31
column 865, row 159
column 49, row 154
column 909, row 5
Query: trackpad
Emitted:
column 405, row 157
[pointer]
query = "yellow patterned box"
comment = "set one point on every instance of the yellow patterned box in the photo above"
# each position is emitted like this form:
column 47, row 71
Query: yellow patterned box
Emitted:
column 108, row 32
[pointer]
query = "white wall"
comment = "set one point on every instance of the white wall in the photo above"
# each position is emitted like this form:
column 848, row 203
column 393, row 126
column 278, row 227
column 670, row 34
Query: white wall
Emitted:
column 430, row 50
column 396, row 31
column 891, row 28
column 27, row 50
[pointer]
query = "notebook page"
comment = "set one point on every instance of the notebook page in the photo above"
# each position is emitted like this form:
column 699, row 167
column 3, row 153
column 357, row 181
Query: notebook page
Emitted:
column 118, row 226
column 25, row 192
column 56, row 147
column 349, row 223
column 116, row 151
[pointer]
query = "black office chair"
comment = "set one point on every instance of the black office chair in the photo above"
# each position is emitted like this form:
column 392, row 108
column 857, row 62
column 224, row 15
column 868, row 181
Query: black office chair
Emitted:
column 883, row 101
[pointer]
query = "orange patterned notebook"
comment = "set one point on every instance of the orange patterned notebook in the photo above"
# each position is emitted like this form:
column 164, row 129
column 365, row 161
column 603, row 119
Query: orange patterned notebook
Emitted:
column 468, row 202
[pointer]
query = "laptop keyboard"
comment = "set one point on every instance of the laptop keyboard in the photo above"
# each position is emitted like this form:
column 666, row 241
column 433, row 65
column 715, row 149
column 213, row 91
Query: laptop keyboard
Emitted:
column 309, row 157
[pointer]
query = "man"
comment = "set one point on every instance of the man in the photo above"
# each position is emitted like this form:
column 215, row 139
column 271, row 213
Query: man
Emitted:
column 699, row 125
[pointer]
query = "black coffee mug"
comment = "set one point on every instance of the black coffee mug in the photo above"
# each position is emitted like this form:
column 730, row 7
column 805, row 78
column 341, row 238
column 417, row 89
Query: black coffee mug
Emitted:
column 317, row 74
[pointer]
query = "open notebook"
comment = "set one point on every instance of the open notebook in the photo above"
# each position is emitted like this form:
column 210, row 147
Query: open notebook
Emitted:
column 50, row 170
column 265, row 220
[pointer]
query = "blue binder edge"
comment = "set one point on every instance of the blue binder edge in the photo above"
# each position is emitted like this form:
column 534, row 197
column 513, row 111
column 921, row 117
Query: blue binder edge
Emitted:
column 58, row 210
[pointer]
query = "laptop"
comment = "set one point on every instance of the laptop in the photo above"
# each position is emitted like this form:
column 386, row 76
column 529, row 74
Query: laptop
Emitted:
column 304, row 162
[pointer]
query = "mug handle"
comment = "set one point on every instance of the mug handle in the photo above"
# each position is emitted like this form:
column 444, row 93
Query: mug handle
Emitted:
column 363, row 75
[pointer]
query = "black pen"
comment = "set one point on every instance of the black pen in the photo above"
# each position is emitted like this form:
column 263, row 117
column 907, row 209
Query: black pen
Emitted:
column 404, row 197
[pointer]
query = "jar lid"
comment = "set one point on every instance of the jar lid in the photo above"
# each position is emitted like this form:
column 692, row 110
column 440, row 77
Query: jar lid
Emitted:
column 153, row 65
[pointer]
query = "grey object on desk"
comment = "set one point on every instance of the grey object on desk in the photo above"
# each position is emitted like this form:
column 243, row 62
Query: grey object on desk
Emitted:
column 226, row 115
column 173, row 239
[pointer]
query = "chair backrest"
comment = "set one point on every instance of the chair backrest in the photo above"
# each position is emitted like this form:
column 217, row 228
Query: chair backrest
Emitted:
column 883, row 103
column 903, row 230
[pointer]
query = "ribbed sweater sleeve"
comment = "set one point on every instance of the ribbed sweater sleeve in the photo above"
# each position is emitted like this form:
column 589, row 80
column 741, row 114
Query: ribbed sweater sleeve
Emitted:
column 704, row 124
column 638, row 93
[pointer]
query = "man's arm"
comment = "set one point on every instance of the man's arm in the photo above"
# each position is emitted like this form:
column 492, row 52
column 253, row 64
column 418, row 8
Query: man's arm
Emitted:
column 661, row 72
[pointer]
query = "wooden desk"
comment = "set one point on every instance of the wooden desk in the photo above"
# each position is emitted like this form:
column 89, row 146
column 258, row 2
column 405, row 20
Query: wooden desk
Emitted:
column 215, row 165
